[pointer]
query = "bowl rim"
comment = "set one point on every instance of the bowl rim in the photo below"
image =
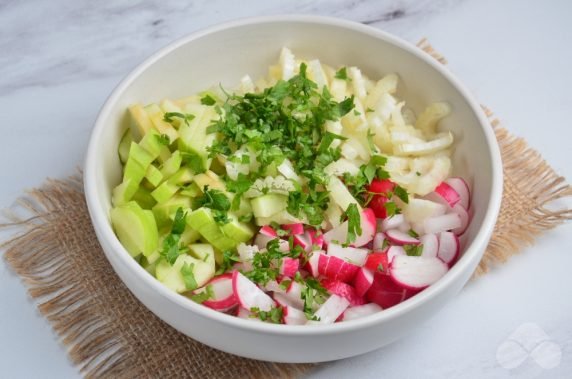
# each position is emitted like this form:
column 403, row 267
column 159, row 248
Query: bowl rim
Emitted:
column 475, row 250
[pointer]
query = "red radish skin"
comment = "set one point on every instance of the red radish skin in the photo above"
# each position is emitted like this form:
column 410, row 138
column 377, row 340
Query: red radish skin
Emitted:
column 464, row 216
column 401, row 238
column 368, row 225
column 304, row 241
column 394, row 251
column 442, row 223
column 462, row 188
column 289, row 266
column 293, row 316
column 331, row 309
column 353, row 255
column 360, row 311
column 363, row 281
column 430, row 244
column 377, row 259
column 249, row 295
column 313, row 263
column 416, row 273
column 336, row 268
column 385, row 293
column 294, row 229
column 449, row 248
column 317, row 238
column 221, row 287
column 447, row 194
column 381, row 186
column 342, row 289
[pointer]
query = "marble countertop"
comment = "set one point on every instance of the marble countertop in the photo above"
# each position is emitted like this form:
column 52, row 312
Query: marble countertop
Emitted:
column 61, row 59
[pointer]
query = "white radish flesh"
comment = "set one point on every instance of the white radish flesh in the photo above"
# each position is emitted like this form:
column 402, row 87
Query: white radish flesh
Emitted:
column 416, row 272
column 401, row 238
column 449, row 248
column 353, row 255
column 447, row 194
column 430, row 244
column 363, row 281
column 392, row 222
column 368, row 226
column 249, row 295
column 360, row 311
column 464, row 216
column 331, row 309
column 378, row 241
column 442, row 223
column 394, row 251
column 462, row 188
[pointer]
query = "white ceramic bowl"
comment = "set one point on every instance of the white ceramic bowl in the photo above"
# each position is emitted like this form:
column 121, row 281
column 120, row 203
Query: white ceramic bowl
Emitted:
column 224, row 54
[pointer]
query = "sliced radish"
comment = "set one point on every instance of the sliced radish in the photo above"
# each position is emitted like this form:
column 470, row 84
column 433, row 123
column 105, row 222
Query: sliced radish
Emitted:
column 447, row 194
column 268, row 231
column 464, row 216
column 378, row 241
column 249, row 295
column 393, row 222
column 401, row 238
column 377, row 261
column 462, row 188
column 360, row 311
column 274, row 286
column 353, row 255
column 294, row 294
column 394, row 251
column 331, row 309
column 335, row 287
column 442, row 223
column 417, row 210
column 222, row 294
column 363, row 281
column 303, row 240
column 416, row 272
column 339, row 234
column 294, row 229
column 385, row 292
column 430, row 244
column 265, row 235
column 313, row 263
column 449, row 248
column 293, row 316
column 317, row 238
column 336, row 268
column 289, row 266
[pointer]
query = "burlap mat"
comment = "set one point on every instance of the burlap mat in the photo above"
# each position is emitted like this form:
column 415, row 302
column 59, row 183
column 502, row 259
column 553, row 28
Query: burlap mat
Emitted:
column 110, row 334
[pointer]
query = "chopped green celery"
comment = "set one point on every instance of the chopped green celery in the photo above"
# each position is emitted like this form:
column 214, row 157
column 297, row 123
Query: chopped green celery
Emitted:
column 183, row 176
column 165, row 213
column 210, row 179
column 164, row 192
column 135, row 228
column 192, row 190
column 152, row 143
column 156, row 115
column 153, row 175
column 141, row 123
column 143, row 197
column 125, row 145
column 172, row 277
column 171, row 165
column 189, row 236
column 193, row 138
column 268, row 205
column 203, row 221
column 124, row 192
column 203, row 251
column 238, row 231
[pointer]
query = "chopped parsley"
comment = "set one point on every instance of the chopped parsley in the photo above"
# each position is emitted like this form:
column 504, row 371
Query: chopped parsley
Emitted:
column 354, row 223
column 274, row 315
column 185, row 117
column 189, row 276
column 229, row 258
column 163, row 139
column 203, row 296
column 312, row 293
column 171, row 250
column 342, row 74
column 217, row 201
column 413, row 250
column 208, row 100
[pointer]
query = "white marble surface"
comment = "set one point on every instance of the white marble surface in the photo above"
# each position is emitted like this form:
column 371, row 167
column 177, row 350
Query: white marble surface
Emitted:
column 60, row 59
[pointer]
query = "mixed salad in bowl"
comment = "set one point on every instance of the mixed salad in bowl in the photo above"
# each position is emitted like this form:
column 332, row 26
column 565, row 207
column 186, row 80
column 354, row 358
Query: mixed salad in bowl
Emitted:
column 310, row 196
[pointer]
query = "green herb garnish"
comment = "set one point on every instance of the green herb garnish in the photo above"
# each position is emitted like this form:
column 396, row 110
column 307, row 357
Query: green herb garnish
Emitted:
column 185, row 117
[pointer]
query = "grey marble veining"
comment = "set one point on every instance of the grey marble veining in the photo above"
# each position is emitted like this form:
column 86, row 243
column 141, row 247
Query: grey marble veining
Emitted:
column 108, row 38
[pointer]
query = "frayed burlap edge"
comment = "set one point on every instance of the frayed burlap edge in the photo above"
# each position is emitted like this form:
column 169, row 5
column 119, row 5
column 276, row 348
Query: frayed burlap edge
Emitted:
column 38, row 256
